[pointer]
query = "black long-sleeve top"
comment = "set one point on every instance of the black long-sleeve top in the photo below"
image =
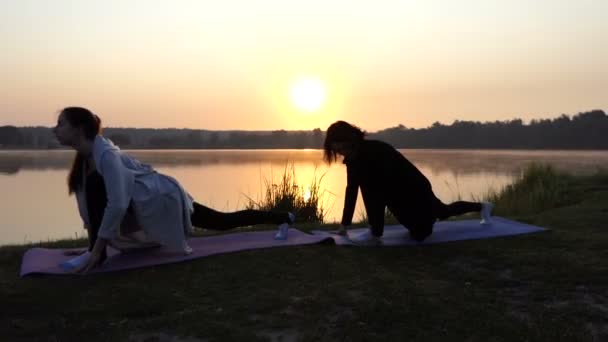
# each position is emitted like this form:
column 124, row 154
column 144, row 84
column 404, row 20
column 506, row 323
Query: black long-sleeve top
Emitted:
column 379, row 169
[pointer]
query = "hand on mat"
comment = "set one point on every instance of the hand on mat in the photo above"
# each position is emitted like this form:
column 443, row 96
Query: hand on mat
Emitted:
column 94, row 258
column 74, row 252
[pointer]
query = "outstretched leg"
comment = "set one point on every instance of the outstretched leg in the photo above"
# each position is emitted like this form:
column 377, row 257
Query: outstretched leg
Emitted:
column 444, row 211
column 207, row 218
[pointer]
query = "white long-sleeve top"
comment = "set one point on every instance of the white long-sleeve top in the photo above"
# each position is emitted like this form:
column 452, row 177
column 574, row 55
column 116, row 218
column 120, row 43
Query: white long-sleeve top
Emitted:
column 161, row 206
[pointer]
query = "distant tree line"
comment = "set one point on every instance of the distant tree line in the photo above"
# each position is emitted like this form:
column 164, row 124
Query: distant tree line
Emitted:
column 588, row 130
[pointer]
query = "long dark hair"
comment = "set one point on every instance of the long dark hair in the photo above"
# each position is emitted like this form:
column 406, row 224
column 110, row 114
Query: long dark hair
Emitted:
column 340, row 132
column 90, row 123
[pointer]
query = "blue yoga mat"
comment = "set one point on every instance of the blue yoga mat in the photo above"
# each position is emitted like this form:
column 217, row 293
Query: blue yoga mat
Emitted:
column 444, row 231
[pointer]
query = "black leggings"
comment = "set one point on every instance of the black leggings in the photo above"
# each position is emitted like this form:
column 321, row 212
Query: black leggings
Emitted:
column 421, row 227
column 202, row 217
column 418, row 216
column 207, row 218
column 443, row 211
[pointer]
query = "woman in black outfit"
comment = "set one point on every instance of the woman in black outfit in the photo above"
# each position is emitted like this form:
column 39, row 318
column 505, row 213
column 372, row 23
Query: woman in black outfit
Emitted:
column 388, row 179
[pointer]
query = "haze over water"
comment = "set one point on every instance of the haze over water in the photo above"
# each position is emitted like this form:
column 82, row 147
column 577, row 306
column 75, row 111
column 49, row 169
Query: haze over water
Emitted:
column 35, row 206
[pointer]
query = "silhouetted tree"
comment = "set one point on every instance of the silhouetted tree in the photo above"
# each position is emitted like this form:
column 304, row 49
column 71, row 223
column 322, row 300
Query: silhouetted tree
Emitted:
column 10, row 136
column 586, row 130
column 121, row 140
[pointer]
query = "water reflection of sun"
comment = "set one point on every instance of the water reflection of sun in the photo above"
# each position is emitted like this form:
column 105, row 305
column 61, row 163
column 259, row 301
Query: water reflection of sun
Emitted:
column 307, row 193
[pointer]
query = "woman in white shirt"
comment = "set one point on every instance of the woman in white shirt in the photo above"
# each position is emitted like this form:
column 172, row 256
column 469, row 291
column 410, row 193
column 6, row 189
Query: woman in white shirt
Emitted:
column 127, row 204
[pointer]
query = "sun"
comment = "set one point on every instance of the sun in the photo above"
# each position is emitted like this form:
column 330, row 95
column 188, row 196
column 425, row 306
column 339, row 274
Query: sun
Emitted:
column 308, row 94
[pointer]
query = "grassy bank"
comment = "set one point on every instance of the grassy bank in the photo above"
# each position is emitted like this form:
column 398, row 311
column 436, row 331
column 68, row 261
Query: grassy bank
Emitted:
column 287, row 195
column 549, row 286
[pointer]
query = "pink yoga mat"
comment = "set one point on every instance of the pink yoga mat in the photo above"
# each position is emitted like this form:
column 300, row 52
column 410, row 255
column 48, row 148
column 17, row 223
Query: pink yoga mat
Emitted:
column 47, row 261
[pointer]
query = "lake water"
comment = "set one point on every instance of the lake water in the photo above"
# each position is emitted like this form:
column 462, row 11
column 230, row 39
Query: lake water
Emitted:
column 35, row 206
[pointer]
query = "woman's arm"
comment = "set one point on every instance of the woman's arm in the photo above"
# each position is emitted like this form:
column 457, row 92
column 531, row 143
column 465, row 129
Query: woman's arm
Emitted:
column 118, row 181
column 350, row 196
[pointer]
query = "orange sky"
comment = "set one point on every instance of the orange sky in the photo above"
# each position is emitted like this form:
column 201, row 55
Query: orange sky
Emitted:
column 229, row 64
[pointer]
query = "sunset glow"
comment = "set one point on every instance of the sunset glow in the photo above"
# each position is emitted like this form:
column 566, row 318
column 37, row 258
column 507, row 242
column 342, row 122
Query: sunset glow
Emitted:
column 296, row 65
column 308, row 94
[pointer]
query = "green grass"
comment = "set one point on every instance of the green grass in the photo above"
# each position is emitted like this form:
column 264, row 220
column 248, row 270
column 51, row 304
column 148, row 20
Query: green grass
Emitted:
column 539, row 187
column 288, row 195
column 549, row 286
